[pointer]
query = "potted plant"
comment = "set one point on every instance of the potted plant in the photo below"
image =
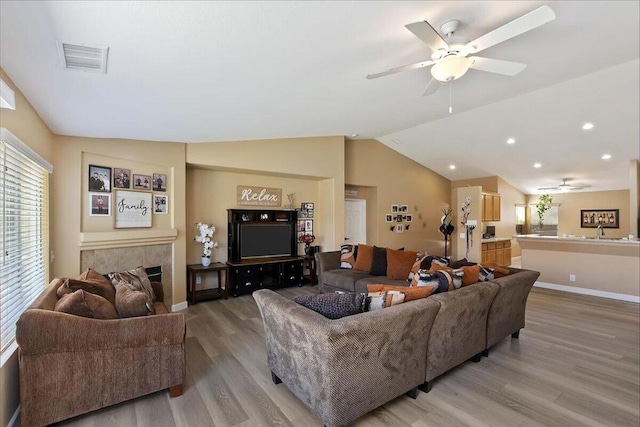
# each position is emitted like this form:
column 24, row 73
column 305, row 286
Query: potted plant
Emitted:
column 206, row 238
column 543, row 205
column 307, row 239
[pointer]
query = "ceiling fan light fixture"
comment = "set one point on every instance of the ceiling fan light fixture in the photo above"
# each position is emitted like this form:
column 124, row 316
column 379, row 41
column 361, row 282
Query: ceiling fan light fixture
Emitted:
column 451, row 68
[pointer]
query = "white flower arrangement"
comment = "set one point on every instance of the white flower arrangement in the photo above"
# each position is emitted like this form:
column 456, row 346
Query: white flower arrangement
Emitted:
column 206, row 238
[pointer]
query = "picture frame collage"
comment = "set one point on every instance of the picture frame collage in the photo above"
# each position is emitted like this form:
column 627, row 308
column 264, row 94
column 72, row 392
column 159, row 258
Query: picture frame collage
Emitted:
column 305, row 221
column 103, row 181
column 398, row 217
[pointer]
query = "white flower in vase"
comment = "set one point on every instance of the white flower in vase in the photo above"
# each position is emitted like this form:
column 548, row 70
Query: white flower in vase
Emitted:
column 206, row 238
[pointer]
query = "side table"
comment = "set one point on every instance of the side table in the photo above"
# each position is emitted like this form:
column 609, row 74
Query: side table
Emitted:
column 310, row 263
column 207, row 294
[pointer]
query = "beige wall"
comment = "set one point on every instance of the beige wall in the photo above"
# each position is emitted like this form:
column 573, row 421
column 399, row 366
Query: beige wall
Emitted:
column 634, row 197
column 571, row 204
column 489, row 184
column 27, row 125
column 318, row 160
column 399, row 180
column 73, row 230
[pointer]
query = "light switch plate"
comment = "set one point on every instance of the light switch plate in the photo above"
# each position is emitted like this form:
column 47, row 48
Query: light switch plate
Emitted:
column 462, row 235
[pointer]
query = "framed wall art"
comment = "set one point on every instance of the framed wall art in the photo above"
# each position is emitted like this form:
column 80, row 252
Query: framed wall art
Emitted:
column 99, row 204
column 132, row 209
column 607, row 218
column 121, row 178
column 160, row 204
column 100, row 179
column 141, row 182
column 159, row 182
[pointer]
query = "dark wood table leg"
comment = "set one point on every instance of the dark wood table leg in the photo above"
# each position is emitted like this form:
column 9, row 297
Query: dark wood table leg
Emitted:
column 226, row 283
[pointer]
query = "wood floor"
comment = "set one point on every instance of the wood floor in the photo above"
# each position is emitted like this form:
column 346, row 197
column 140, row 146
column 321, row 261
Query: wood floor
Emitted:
column 576, row 364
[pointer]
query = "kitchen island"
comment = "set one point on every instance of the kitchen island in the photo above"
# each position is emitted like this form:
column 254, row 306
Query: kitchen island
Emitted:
column 602, row 267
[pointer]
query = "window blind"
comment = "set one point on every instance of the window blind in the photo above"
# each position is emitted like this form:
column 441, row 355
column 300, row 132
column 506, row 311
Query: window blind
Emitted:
column 24, row 226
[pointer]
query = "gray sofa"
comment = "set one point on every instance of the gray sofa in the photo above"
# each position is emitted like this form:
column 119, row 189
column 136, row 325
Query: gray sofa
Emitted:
column 344, row 368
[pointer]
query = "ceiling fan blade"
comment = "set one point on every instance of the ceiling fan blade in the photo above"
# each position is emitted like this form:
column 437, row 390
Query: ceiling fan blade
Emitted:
column 548, row 188
column 528, row 22
column 400, row 69
column 425, row 32
column 432, row 87
column 496, row 66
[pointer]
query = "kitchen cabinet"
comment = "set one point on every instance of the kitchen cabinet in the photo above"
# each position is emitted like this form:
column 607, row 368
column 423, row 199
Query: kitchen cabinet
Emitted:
column 491, row 206
column 498, row 252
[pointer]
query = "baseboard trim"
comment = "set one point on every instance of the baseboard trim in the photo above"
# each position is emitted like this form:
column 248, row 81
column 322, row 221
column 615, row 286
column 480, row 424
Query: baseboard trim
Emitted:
column 585, row 291
column 180, row 306
column 12, row 421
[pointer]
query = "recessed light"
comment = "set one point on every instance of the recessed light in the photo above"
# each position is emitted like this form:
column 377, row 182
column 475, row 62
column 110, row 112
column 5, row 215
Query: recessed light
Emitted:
column 511, row 141
column 355, row 135
column 452, row 167
column 537, row 165
column 587, row 126
column 606, row 156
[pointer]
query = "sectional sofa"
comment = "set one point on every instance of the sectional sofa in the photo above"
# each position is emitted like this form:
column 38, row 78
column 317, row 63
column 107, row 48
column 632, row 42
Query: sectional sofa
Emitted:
column 346, row 367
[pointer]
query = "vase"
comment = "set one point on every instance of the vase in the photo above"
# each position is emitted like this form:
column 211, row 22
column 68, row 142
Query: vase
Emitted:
column 206, row 261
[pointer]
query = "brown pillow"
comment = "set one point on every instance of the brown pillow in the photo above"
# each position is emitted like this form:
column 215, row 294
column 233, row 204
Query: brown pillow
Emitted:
column 364, row 258
column 85, row 304
column 412, row 293
column 438, row 267
column 131, row 302
column 96, row 287
column 399, row 264
column 137, row 278
column 471, row 275
column 497, row 270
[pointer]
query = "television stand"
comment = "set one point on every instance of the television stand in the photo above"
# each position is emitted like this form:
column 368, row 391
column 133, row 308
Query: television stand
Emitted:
column 249, row 275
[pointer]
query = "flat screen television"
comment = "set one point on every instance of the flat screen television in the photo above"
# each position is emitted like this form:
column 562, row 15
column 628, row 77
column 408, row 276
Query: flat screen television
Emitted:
column 265, row 240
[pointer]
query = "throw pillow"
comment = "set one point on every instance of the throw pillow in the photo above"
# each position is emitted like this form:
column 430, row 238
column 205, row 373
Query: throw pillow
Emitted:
column 365, row 257
column 440, row 281
column 471, row 275
column 137, row 278
column 333, row 306
column 497, row 270
column 85, row 304
column 416, row 265
column 457, row 276
column 379, row 261
column 347, row 256
column 410, row 293
column 461, row 263
column 97, row 287
column 131, row 302
column 399, row 264
column 486, row 274
column 375, row 301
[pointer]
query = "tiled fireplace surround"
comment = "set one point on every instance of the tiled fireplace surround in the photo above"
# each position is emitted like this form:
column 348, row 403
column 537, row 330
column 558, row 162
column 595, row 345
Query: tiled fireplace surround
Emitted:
column 127, row 258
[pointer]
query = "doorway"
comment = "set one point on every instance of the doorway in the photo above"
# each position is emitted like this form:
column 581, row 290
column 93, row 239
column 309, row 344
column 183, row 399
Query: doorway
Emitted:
column 355, row 221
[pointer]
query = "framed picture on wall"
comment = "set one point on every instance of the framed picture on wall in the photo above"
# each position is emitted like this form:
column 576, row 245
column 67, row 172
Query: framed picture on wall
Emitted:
column 394, row 208
column 159, row 182
column 593, row 218
column 399, row 228
column 160, row 204
column 408, row 218
column 308, row 225
column 141, row 182
column 132, row 209
column 388, row 218
column 121, row 178
column 99, row 204
column 404, row 208
column 100, row 179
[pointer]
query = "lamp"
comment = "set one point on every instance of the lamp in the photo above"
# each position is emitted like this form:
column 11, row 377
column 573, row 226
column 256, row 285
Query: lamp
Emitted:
column 450, row 68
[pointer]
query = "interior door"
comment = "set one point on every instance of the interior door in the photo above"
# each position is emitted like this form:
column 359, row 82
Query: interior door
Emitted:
column 355, row 221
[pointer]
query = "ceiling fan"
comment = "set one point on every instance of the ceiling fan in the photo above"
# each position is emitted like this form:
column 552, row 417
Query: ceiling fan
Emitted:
column 450, row 57
column 564, row 186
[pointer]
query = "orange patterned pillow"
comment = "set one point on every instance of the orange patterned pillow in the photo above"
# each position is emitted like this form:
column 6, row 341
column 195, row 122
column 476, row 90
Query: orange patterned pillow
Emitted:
column 471, row 275
column 412, row 293
column 497, row 270
column 364, row 258
column 399, row 263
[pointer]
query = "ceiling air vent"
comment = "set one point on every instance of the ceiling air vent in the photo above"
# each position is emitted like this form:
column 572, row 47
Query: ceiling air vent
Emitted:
column 83, row 58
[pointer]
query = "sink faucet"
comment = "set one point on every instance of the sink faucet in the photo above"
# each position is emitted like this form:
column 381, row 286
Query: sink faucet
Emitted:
column 599, row 232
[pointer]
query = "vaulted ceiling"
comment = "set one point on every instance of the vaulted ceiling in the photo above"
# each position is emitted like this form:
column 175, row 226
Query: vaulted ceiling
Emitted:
column 220, row 71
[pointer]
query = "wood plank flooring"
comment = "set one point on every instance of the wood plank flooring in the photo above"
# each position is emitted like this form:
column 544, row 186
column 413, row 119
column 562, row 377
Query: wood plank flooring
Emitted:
column 576, row 364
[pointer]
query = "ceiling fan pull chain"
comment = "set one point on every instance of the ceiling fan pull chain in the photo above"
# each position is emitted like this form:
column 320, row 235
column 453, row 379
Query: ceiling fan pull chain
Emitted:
column 450, row 107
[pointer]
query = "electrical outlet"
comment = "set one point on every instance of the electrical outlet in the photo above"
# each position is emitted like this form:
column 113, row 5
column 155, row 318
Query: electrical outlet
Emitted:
column 462, row 235
column 198, row 279
column 572, row 277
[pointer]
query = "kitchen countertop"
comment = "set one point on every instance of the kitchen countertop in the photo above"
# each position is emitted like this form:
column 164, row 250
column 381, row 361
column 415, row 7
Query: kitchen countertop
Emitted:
column 581, row 239
column 496, row 239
